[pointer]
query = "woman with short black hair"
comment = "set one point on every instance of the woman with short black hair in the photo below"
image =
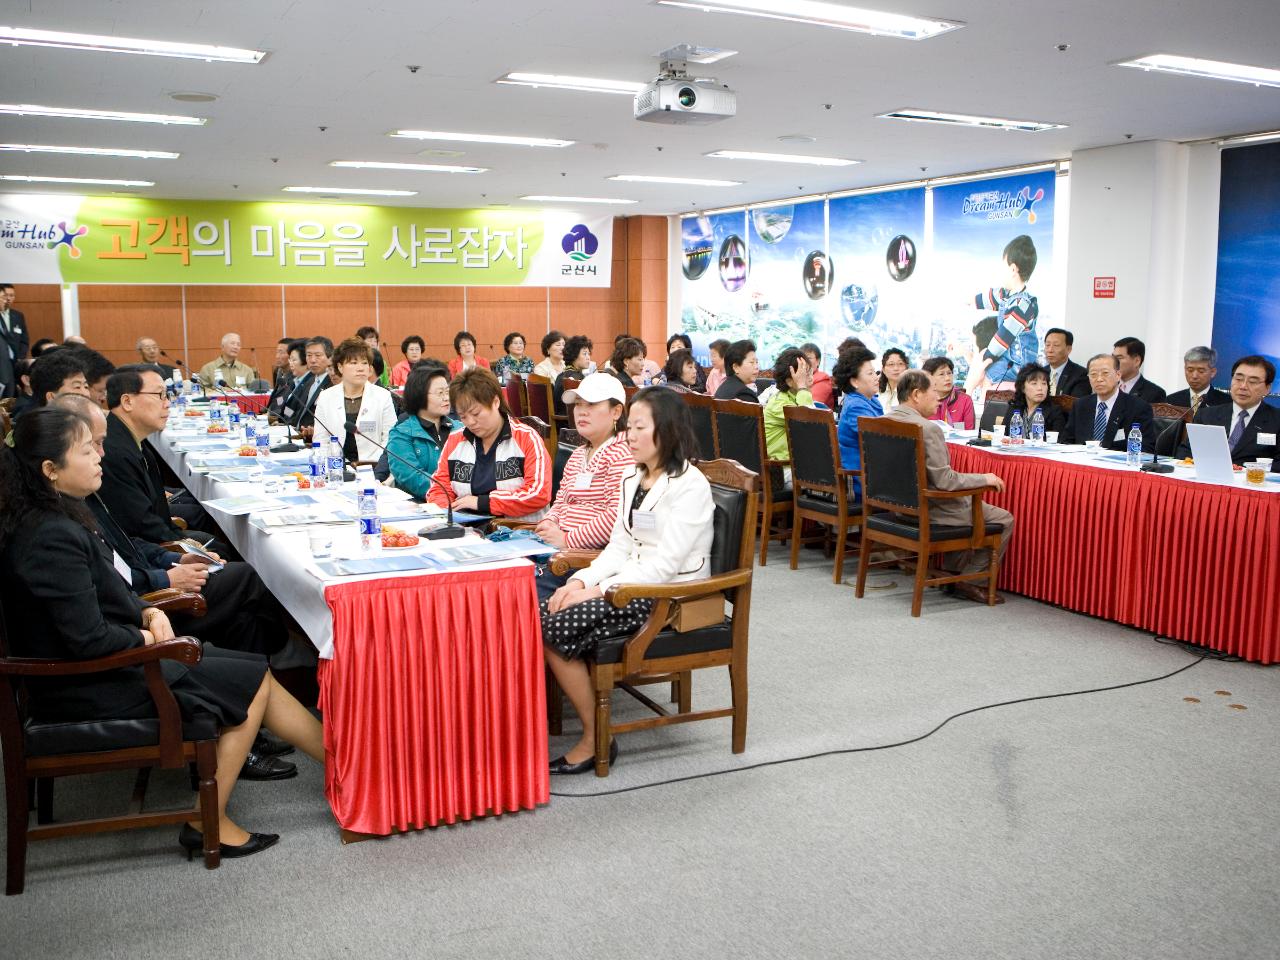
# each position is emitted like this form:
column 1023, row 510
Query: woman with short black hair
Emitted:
column 627, row 362
column 552, row 364
column 681, row 371
column 413, row 347
column 416, row 441
column 513, row 360
column 464, row 345
column 1031, row 393
column 954, row 406
column 741, row 369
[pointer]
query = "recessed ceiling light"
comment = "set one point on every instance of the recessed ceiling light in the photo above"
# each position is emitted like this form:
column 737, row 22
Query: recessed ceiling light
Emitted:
column 20, row 37
column 482, row 138
column 781, row 158
column 1213, row 69
column 78, row 113
column 965, row 120
column 352, row 190
column 692, row 181
column 190, row 96
column 547, row 198
column 421, row 167
column 822, row 14
column 561, row 82
column 90, row 180
column 89, row 151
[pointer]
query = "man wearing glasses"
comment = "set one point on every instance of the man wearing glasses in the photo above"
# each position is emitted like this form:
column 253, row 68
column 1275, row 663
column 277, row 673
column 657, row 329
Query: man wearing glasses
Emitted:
column 1250, row 422
column 1108, row 413
column 132, row 483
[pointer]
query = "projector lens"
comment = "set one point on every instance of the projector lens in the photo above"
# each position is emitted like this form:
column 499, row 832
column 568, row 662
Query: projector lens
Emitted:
column 687, row 97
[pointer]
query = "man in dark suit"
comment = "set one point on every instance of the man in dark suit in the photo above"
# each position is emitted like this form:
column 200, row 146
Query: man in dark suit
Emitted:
column 1131, row 354
column 1199, row 366
column 1107, row 415
column 1066, row 378
column 1250, row 422
column 132, row 483
column 14, row 340
column 319, row 356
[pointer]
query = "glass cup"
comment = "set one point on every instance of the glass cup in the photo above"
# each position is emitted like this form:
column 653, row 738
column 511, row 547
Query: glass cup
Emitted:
column 1255, row 473
column 321, row 543
column 997, row 433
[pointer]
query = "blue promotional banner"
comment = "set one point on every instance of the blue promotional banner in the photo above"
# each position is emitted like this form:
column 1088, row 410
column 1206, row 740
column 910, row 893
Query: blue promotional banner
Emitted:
column 716, row 271
column 1246, row 307
column 876, row 241
column 790, row 276
column 987, row 313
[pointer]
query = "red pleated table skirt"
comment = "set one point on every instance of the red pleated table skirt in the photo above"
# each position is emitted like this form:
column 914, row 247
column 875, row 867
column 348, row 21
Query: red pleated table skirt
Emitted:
column 1191, row 561
column 434, row 704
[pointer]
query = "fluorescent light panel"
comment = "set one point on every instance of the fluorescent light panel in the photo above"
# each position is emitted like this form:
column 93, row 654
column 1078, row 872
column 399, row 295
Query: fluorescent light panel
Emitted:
column 835, row 15
column 561, row 82
column 482, row 138
column 691, row 181
column 781, row 158
column 421, row 167
column 82, row 113
column 547, row 198
column 89, row 151
column 89, row 180
column 1213, row 69
column 966, row 120
column 353, row 191
column 22, row 37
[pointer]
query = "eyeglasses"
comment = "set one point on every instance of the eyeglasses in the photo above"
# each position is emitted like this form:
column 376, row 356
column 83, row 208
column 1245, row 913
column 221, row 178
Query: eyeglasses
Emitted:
column 1249, row 381
column 438, row 394
column 152, row 393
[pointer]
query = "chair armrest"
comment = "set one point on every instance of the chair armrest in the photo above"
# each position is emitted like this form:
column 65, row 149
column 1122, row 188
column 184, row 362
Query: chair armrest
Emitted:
column 173, row 546
column 178, row 522
column 848, row 473
column 567, row 560
column 511, row 524
column 183, row 649
column 171, row 600
column 956, row 494
column 620, row 594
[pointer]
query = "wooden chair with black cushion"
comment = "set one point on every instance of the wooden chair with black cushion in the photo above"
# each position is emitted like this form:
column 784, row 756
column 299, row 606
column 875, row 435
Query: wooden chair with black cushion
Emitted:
column 566, row 418
column 567, row 441
column 538, row 394
column 821, row 488
column 1065, row 401
column 1164, row 416
column 1005, row 396
column 740, row 437
column 702, row 413
column 894, row 480
column 36, row 751
column 515, row 394
column 688, row 628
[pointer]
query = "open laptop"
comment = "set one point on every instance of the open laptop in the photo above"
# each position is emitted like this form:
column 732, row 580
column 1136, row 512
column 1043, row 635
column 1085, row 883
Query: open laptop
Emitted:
column 1211, row 454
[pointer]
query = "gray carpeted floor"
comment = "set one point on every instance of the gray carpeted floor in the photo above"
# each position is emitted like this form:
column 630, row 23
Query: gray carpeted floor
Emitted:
column 1126, row 824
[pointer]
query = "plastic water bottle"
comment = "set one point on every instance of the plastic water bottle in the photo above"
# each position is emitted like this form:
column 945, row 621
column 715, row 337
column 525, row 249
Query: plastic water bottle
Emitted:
column 1015, row 428
column 263, row 440
column 250, row 438
column 1134, row 456
column 319, row 469
column 334, row 463
column 233, row 421
column 370, row 524
column 1037, row 426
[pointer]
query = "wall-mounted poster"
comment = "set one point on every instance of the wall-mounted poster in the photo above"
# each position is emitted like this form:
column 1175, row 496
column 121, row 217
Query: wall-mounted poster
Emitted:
column 791, row 276
column 993, row 250
column 717, row 267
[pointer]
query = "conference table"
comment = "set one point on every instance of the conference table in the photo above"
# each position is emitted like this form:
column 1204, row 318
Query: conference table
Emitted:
column 1166, row 553
column 431, row 681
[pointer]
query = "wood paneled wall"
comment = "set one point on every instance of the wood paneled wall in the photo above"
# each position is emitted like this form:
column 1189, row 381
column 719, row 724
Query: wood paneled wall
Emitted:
column 189, row 321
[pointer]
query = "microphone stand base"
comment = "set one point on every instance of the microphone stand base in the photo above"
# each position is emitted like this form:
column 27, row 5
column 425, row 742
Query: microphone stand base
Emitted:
column 286, row 448
column 1157, row 468
column 443, row 533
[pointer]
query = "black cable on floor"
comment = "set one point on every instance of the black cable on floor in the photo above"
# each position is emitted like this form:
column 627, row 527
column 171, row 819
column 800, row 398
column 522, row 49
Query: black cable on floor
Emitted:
column 901, row 743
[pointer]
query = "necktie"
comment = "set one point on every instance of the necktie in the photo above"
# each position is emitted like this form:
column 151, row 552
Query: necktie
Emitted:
column 1100, row 421
column 1195, row 404
column 1053, row 386
column 1238, row 430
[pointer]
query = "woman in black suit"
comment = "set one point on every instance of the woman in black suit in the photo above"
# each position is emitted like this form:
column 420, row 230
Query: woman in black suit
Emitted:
column 742, row 368
column 67, row 596
column 1031, row 391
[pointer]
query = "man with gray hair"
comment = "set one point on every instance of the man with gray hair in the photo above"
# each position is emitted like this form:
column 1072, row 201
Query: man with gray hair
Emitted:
column 1199, row 366
column 150, row 352
column 227, row 367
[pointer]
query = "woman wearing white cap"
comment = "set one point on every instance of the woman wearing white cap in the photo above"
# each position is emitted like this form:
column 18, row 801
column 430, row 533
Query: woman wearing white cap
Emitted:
column 586, row 505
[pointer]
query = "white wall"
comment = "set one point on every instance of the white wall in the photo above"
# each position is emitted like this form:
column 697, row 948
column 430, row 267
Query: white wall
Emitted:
column 1146, row 214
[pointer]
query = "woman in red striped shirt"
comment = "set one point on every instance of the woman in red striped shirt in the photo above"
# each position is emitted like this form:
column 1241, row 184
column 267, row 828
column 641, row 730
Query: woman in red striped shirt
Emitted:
column 586, row 506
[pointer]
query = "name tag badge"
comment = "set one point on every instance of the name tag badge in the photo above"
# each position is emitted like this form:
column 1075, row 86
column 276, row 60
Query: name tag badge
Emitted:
column 1120, row 434
column 584, row 481
column 122, row 568
column 239, row 381
column 368, row 426
column 1266, row 439
column 644, row 520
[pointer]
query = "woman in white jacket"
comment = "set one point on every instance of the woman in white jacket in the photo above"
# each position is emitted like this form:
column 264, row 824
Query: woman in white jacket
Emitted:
column 355, row 404
column 662, row 535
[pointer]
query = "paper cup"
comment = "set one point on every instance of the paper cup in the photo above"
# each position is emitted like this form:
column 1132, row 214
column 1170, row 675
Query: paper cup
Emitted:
column 1051, row 436
column 321, row 543
column 1092, row 446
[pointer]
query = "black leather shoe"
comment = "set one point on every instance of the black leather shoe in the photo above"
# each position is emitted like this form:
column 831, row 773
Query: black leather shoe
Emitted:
column 266, row 745
column 562, row 766
column 258, row 767
column 192, row 841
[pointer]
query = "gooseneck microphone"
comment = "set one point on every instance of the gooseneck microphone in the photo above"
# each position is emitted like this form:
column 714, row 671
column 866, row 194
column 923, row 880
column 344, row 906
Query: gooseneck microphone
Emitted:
column 1155, row 466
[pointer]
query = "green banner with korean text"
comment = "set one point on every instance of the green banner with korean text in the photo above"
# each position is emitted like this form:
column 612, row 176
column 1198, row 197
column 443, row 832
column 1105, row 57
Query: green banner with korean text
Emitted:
column 61, row 239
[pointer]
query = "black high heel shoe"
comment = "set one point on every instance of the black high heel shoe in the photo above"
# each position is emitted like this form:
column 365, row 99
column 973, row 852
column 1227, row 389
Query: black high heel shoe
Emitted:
column 192, row 840
column 562, row 766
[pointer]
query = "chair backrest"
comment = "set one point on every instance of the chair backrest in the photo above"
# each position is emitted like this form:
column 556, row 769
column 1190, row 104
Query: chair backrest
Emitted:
column 893, row 473
column 1006, row 395
column 630, row 392
column 1065, row 401
column 1169, row 412
column 740, row 432
column 515, row 396
column 994, row 409
column 733, row 492
column 702, row 414
column 538, row 397
column 815, row 449
column 537, row 423
column 6, row 425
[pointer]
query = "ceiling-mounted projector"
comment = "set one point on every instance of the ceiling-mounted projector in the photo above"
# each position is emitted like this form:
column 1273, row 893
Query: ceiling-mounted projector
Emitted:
column 675, row 97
